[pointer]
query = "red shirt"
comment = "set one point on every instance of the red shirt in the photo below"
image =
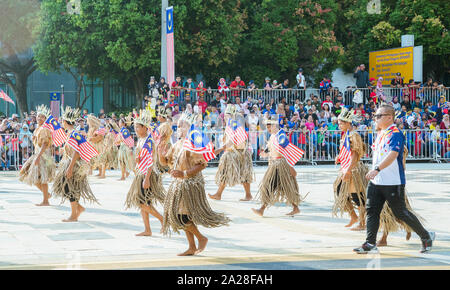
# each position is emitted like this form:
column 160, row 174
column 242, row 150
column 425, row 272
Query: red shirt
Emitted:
column 175, row 92
column 203, row 105
column 235, row 84
column 201, row 92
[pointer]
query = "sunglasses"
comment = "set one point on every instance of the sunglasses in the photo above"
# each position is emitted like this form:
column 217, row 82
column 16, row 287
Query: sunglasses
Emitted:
column 378, row 116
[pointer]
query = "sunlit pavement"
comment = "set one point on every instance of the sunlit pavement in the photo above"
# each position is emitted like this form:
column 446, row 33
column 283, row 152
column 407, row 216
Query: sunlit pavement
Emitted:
column 34, row 237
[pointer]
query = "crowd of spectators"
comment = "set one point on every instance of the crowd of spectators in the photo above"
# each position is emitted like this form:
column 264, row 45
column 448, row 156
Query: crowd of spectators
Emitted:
column 308, row 119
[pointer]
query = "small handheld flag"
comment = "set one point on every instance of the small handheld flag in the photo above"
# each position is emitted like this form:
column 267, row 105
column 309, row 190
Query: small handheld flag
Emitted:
column 197, row 142
column 126, row 137
column 345, row 155
column 289, row 151
column 146, row 156
column 82, row 146
column 236, row 132
column 102, row 131
column 58, row 135
column 5, row 97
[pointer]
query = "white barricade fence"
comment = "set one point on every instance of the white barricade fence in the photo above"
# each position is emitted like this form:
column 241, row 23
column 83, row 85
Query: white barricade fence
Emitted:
column 319, row 146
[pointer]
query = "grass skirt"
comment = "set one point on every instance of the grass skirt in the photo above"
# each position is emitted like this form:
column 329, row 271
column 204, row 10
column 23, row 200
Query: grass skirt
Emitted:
column 41, row 174
column 137, row 195
column 188, row 197
column 389, row 223
column 343, row 201
column 77, row 187
column 125, row 158
column 235, row 167
column 109, row 157
column 278, row 185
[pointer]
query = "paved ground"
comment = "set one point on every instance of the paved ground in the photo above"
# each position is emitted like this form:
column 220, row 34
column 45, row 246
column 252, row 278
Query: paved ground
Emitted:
column 35, row 238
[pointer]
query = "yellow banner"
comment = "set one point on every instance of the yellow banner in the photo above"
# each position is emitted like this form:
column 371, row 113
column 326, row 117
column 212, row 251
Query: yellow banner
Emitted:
column 387, row 63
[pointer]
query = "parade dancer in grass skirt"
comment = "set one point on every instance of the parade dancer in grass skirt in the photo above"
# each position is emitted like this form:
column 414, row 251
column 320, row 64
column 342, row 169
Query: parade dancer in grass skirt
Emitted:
column 162, row 136
column 95, row 137
column 108, row 157
column 279, row 183
column 146, row 189
column 389, row 223
column 351, row 183
column 125, row 158
column 186, row 206
column 71, row 179
column 39, row 169
column 235, row 165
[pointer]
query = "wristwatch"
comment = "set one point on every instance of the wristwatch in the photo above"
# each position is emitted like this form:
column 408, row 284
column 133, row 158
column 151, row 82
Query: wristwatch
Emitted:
column 377, row 168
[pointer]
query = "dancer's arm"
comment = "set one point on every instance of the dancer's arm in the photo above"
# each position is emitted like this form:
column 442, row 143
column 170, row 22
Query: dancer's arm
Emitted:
column 146, row 182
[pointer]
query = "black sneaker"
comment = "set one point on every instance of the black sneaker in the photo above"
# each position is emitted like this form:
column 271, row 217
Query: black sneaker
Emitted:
column 427, row 244
column 366, row 248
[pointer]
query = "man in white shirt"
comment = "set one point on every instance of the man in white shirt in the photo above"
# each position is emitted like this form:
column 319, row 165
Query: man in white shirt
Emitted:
column 301, row 83
column 388, row 183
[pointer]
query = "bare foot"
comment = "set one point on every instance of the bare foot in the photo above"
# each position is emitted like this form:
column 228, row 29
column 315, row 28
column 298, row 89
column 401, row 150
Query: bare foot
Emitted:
column 144, row 234
column 80, row 211
column 123, row 178
column 43, row 204
column 189, row 252
column 97, row 175
column 294, row 212
column 359, row 227
column 247, row 198
column 201, row 245
column 128, row 174
column 101, row 177
column 215, row 196
column 352, row 222
column 70, row 220
column 258, row 211
column 382, row 243
column 408, row 236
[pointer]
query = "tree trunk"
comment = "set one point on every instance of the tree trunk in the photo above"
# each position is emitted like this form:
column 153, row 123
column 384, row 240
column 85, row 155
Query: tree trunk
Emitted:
column 20, row 91
column 86, row 97
column 138, row 83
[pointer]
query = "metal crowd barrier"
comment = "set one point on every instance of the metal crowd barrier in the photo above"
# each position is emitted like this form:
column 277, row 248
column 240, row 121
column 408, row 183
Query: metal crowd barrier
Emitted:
column 291, row 95
column 320, row 146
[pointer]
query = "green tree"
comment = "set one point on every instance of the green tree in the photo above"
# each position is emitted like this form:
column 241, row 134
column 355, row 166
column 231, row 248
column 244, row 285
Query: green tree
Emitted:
column 208, row 37
column 286, row 35
column 18, row 22
column 361, row 32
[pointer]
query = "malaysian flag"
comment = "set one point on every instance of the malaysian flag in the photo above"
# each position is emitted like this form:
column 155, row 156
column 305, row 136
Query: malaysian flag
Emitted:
column 82, row 146
column 170, row 46
column 5, row 97
column 345, row 155
column 289, row 151
column 146, row 156
column 58, row 135
column 55, row 100
column 126, row 137
column 102, row 131
column 197, row 142
column 236, row 132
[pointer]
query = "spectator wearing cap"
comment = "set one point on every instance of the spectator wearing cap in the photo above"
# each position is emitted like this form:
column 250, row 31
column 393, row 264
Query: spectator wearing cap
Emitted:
column 276, row 85
column 251, row 86
column 201, row 90
column 223, row 87
column 324, row 86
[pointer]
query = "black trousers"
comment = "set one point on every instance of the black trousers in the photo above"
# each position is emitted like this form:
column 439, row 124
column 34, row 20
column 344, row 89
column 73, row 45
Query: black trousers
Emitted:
column 377, row 195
